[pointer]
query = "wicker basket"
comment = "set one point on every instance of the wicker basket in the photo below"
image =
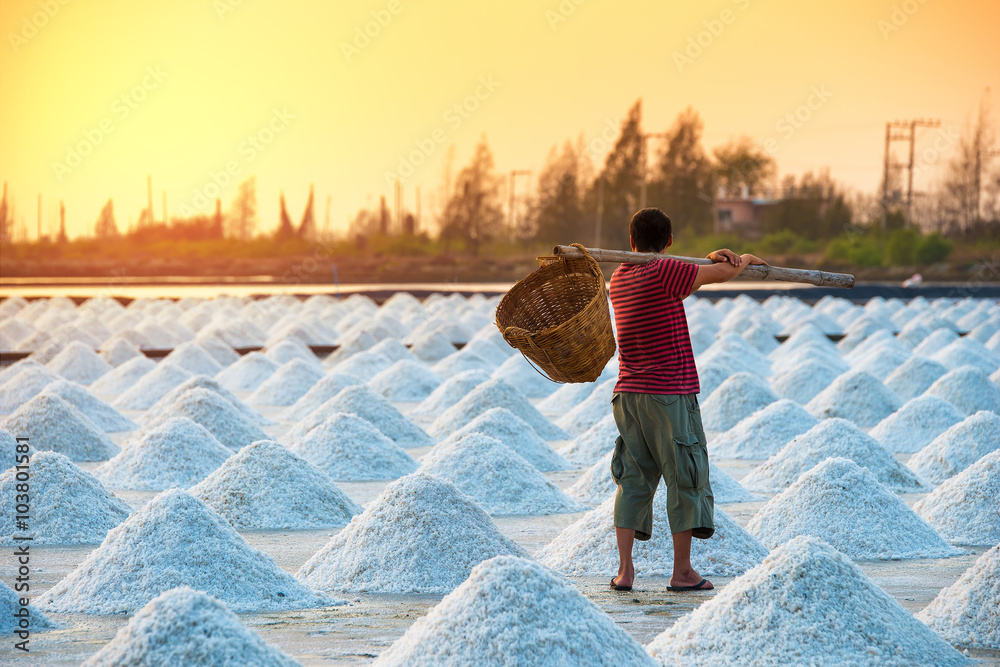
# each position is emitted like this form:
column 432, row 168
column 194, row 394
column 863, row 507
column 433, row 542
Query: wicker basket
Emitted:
column 558, row 318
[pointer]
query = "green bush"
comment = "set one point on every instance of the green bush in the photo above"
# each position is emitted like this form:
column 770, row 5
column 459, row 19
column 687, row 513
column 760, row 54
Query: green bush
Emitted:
column 866, row 253
column 838, row 249
column 778, row 242
column 933, row 248
column 901, row 248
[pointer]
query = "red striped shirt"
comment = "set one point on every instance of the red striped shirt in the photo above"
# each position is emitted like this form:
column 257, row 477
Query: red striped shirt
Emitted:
column 654, row 345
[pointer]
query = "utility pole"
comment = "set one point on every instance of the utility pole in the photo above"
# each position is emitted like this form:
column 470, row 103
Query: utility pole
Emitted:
column 398, row 205
column 149, row 197
column 909, row 178
column 910, row 136
column 643, row 160
column 416, row 226
column 514, row 173
column 600, row 212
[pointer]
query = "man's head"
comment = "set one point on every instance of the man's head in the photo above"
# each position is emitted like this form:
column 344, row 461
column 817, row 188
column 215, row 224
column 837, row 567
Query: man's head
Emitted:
column 650, row 230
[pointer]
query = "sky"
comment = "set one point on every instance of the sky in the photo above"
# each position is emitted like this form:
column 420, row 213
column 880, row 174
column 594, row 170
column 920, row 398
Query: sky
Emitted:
column 347, row 95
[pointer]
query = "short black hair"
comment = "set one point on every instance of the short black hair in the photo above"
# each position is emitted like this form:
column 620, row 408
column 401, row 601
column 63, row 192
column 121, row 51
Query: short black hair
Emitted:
column 650, row 229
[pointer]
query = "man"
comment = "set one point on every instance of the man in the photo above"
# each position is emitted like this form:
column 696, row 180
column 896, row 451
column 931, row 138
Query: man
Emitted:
column 655, row 403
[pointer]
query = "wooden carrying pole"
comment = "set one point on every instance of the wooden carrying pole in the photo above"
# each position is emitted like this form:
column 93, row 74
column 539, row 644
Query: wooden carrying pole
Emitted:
column 753, row 271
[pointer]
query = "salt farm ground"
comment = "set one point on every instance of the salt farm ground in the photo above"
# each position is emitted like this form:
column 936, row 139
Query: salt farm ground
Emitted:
column 881, row 358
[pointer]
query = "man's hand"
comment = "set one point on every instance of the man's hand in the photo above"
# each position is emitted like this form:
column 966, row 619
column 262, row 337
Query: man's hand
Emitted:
column 752, row 259
column 725, row 255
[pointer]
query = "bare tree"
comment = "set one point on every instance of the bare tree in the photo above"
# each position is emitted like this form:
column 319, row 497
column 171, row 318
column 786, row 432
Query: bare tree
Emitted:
column 475, row 209
column 241, row 221
column 105, row 226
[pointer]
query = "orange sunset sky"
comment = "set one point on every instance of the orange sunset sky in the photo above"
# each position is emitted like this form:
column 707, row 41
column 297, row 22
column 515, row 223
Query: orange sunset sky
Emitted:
column 178, row 89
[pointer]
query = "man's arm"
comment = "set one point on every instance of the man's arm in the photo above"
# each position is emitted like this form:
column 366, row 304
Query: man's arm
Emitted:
column 727, row 266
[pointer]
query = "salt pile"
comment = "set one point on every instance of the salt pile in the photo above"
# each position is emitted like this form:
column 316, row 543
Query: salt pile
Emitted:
column 590, row 410
column 421, row 535
column 914, row 376
column 593, row 444
column 103, row 415
column 803, row 382
column 957, row 448
column 393, row 350
column 710, row 376
column 348, row 448
column 588, row 546
column 518, row 372
column 857, row 396
column 967, row 352
column 566, row 397
column 734, row 347
column 514, row 432
column 7, row 372
column 265, row 486
column 764, row 433
column 167, row 400
column 288, row 384
column 741, row 395
column 362, row 401
column 967, row 613
column 844, row 504
column 291, row 348
column 463, row 360
column 486, row 349
column 806, row 604
column 119, row 350
column 964, row 509
column 831, row 437
column 248, row 373
column 120, row 378
column 195, row 358
column 450, row 392
column 512, row 611
column 68, row 505
column 494, row 394
column 152, row 386
column 968, row 389
column 496, row 477
column 10, row 603
column 53, row 424
column 432, row 347
column 8, row 450
column 177, row 453
column 914, row 425
column 326, row 388
column 364, row 365
column 79, row 363
column 177, row 540
column 219, row 349
column 20, row 387
column 216, row 414
column 187, row 627
column 405, row 380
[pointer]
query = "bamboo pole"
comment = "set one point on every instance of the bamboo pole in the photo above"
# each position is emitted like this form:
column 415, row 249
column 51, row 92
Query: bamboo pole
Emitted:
column 753, row 271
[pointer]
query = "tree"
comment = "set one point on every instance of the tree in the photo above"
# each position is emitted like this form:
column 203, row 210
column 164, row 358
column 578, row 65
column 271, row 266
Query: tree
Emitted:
column 961, row 202
column 62, row 240
column 557, row 214
column 6, row 217
column 105, row 226
column 684, row 184
column 242, row 217
column 622, row 180
column 285, row 229
column 475, row 210
column 740, row 164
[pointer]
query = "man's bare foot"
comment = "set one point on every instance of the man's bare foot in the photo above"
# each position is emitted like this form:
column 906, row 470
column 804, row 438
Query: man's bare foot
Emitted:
column 624, row 580
column 689, row 580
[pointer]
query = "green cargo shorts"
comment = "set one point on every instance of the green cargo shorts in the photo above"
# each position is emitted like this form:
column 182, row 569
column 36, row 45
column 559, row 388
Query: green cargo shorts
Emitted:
column 661, row 436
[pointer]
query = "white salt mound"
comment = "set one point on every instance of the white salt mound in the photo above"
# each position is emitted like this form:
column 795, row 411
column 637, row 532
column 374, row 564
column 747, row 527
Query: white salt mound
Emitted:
column 588, row 546
column 123, row 376
column 968, row 389
column 914, row 376
column 10, row 603
column 195, row 358
column 119, row 350
column 450, row 392
column 288, row 384
column 216, row 414
column 843, row 504
column 219, row 349
column 103, row 415
column 321, row 392
column 518, row 372
column 857, row 396
column 349, row 448
column 512, row 611
column 957, row 448
column 496, row 477
column 764, row 433
column 8, row 450
column 514, row 432
column 831, row 437
column 162, row 405
column 177, row 453
column 364, row 365
column 593, row 444
column 432, row 347
column 405, row 380
column 52, row 423
column 265, row 486
column 590, row 410
column 964, row 509
column 967, row 613
column 806, row 603
column 803, row 382
column 362, row 401
column 567, row 397
column 741, row 395
column 20, row 387
column 494, row 394
column 68, row 505
column 914, row 425
column 248, row 373
column 152, row 386
column 177, row 540
column 421, row 535
column 187, row 627
column 78, row 362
